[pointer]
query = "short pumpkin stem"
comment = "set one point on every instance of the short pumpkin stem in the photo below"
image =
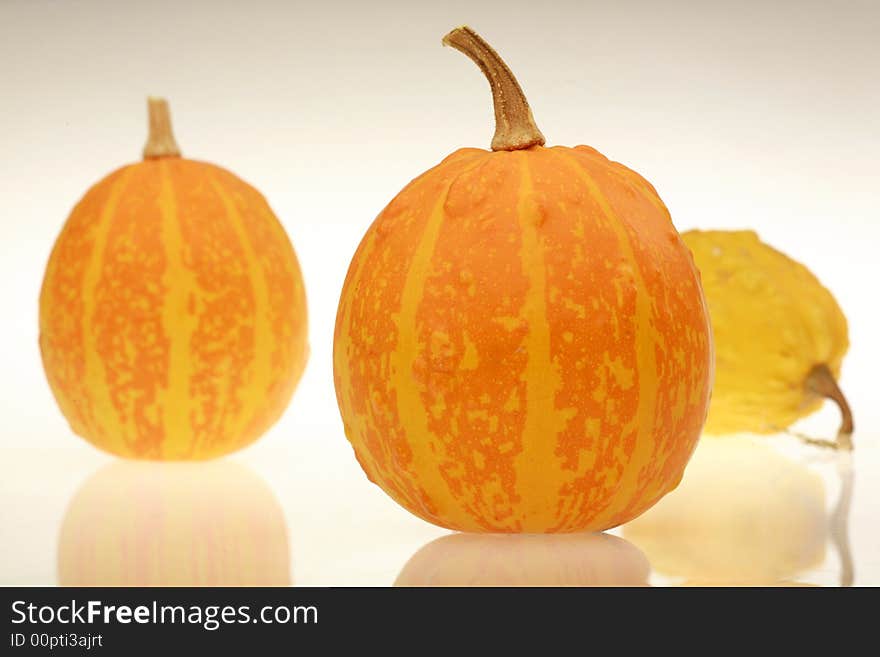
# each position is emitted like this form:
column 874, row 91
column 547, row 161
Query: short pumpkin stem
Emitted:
column 515, row 127
column 821, row 381
column 160, row 142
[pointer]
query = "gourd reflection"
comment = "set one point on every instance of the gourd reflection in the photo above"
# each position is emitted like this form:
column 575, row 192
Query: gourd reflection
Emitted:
column 744, row 514
column 526, row 560
column 175, row 524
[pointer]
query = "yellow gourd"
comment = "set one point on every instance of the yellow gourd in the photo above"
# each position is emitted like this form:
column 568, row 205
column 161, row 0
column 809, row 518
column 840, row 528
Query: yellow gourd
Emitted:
column 780, row 336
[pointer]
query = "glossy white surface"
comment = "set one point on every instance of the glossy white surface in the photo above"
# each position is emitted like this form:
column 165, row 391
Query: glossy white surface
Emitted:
column 752, row 511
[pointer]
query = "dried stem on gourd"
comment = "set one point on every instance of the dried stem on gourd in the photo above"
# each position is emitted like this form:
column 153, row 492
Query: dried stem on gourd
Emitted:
column 821, row 381
column 515, row 127
column 160, row 142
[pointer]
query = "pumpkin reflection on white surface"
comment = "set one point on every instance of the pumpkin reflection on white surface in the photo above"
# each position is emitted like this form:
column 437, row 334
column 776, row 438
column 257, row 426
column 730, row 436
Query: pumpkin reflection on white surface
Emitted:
column 174, row 524
column 744, row 514
column 592, row 559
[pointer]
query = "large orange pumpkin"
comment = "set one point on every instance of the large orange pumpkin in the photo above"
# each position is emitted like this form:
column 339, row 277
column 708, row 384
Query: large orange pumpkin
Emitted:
column 173, row 313
column 522, row 343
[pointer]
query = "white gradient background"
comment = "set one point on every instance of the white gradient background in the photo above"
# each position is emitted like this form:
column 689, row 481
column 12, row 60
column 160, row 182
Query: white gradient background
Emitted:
column 742, row 114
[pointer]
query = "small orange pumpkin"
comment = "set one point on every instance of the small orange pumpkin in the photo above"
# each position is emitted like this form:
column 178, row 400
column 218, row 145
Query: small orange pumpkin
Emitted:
column 522, row 343
column 172, row 313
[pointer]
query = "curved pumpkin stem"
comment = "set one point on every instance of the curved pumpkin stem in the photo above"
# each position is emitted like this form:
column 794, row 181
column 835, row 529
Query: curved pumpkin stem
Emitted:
column 515, row 126
column 160, row 142
column 821, row 381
